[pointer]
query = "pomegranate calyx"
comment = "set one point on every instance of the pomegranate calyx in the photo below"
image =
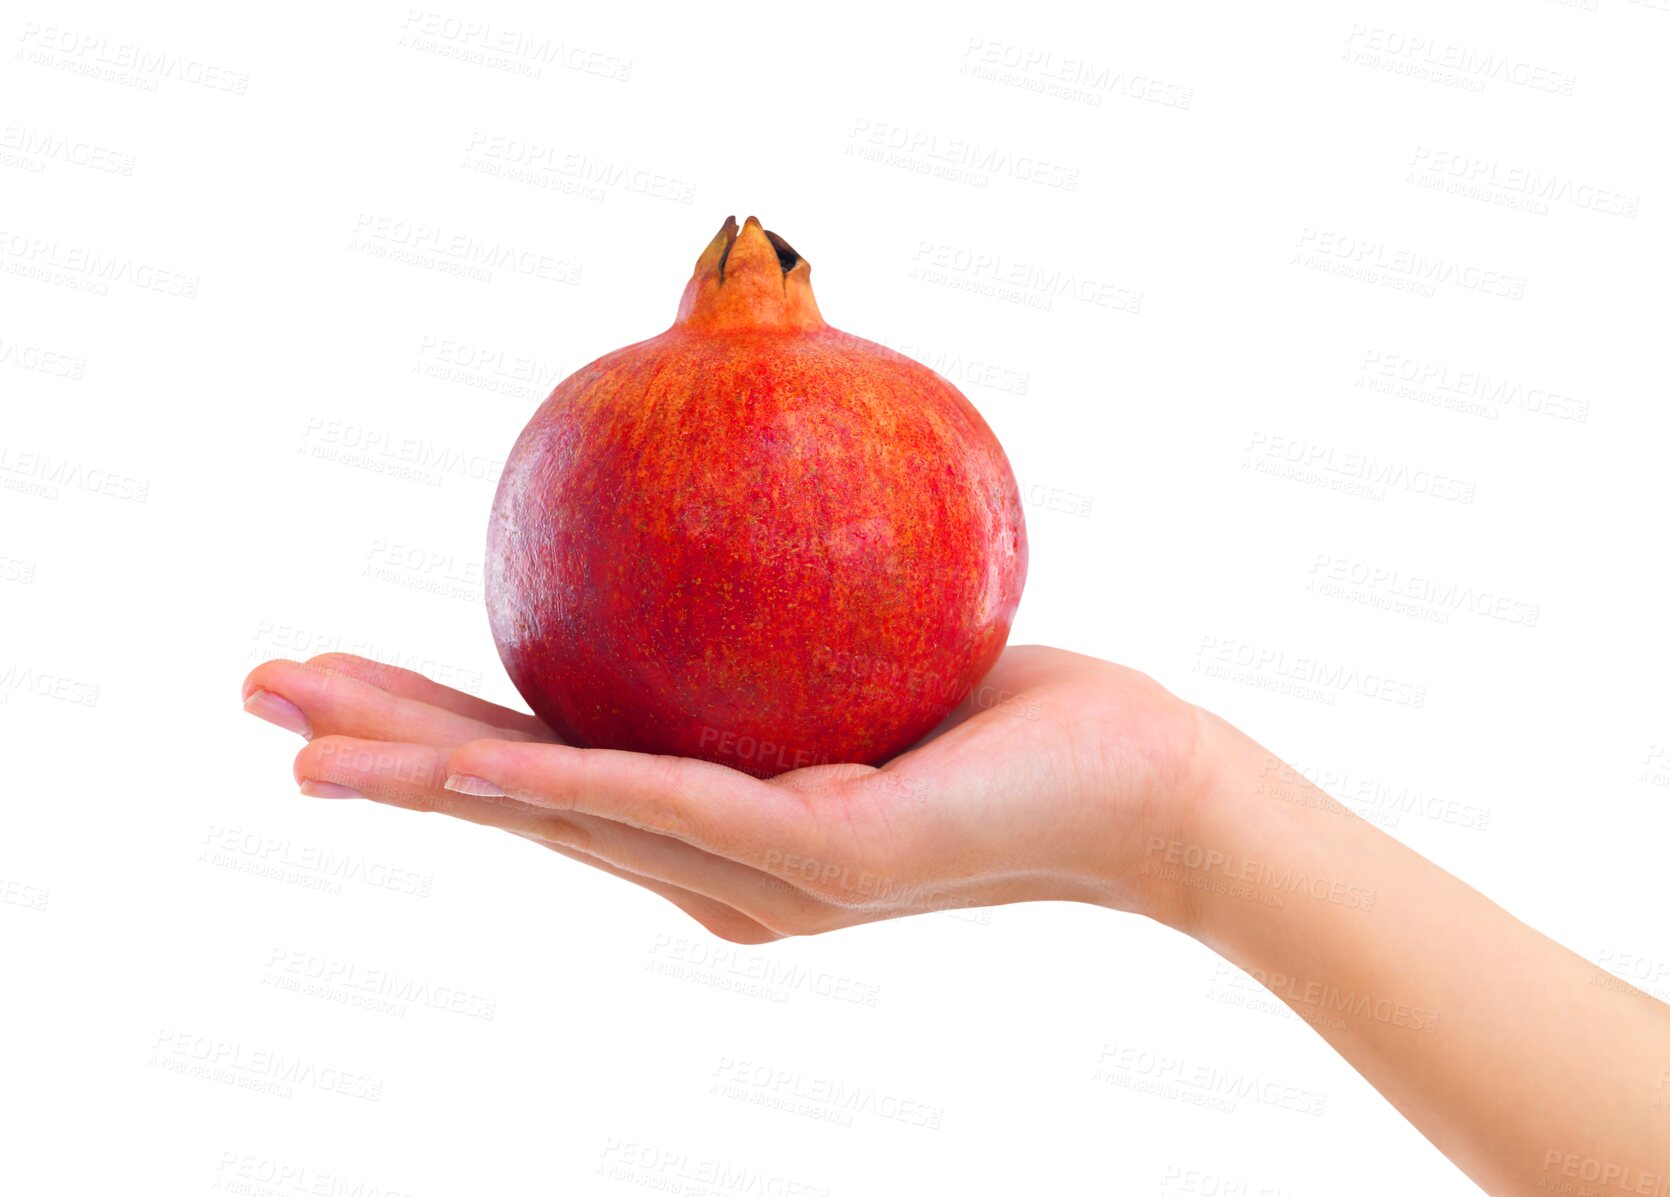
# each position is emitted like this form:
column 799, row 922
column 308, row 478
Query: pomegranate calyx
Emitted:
column 749, row 278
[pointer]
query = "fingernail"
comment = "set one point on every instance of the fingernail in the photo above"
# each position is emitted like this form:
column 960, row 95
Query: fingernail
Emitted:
column 264, row 704
column 329, row 789
column 476, row 787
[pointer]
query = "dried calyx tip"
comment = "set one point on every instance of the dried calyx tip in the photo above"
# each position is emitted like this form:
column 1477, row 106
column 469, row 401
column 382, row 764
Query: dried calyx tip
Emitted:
column 749, row 277
column 787, row 257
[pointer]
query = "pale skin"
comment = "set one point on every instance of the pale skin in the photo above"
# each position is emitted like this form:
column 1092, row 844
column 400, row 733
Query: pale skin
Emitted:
column 1068, row 778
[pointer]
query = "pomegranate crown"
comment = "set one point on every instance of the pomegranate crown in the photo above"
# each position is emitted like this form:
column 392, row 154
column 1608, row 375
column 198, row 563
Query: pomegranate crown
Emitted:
column 749, row 278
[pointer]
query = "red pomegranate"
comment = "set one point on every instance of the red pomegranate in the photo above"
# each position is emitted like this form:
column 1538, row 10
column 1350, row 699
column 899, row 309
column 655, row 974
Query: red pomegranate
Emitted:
column 753, row 539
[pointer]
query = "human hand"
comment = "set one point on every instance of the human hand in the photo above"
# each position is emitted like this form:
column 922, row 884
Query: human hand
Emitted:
column 1045, row 784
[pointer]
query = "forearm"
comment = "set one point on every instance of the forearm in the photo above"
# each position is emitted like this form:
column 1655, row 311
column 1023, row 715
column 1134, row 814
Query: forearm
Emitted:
column 1493, row 1040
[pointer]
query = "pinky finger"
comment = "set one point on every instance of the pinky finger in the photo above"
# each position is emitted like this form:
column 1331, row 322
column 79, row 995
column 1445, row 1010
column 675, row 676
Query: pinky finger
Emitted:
column 726, row 922
column 409, row 776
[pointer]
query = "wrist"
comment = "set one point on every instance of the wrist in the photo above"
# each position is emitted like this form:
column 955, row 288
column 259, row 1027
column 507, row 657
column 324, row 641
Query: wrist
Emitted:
column 1259, row 849
column 1208, row 815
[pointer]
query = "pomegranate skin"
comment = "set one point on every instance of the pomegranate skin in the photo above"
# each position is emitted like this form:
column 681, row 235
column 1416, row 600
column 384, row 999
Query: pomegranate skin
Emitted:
column 753, row 539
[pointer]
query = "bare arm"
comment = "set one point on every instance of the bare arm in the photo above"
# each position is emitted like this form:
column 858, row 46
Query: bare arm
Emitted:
column 1068, row 778
column 1492, row 1039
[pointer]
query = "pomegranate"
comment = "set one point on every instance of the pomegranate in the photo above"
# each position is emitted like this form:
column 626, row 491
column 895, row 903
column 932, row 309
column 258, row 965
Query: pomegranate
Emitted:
column 753, row 539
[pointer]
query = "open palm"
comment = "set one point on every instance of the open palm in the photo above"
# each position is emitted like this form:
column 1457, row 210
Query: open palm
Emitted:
column 1046, row 783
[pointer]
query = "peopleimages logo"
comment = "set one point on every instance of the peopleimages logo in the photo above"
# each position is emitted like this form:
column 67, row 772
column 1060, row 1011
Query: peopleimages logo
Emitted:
column 42, row 147
column 959, row 154
column 1439, row 595
column 259, row 1069
column 89, row 269
column 1361, row 468
column 1413, row 266
column 1420, row 53
column 1207, row 1080
column 1230, row 867
column 1436, row 383
column 1276, row 663
column 456, row 252
column 95, row 54
column 1527, row 182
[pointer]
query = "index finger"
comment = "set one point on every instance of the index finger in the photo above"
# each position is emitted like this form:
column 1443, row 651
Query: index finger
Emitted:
column 708, row 806
column 407, row 683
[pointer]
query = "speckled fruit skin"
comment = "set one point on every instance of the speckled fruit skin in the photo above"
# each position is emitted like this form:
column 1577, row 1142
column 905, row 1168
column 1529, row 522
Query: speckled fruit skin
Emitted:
column 753, row 539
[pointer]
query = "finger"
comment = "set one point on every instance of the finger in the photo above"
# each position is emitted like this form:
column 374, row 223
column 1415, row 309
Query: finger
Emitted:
column 410, row 776
column 708, row 806
column 405, row 683
column 319, row 702
column 721, row 920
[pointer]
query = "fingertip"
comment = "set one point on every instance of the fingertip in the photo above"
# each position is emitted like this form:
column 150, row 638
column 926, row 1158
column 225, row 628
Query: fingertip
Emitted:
column 474, row 787
column 328, row 789
column 279, row 711
column 256, row 678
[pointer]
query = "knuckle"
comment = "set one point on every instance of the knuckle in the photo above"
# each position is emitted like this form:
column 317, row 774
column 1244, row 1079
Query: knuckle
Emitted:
column 324, row 754
column 335, row 669
column 782, row 924
column 330, row 660
column 739, row 930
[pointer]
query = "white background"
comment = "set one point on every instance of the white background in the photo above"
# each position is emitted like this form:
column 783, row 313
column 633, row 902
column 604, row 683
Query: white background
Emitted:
column 1165, row 249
